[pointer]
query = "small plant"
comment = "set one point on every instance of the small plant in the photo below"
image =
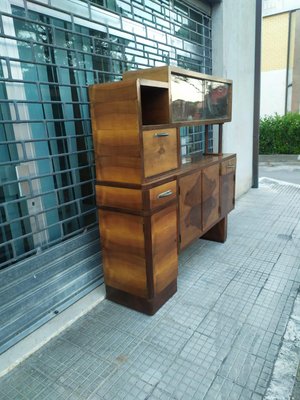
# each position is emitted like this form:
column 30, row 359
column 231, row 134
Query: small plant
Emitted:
column 280, row 134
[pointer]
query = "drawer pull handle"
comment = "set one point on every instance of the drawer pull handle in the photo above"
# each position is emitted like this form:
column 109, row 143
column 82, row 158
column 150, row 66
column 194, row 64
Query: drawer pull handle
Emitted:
column 230, row 165
column 165, row 194
column 161, row 134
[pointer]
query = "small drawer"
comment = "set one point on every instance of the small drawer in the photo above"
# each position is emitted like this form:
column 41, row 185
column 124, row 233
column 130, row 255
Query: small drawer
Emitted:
column 162, row 194
column 160, row 151
column 228, row 166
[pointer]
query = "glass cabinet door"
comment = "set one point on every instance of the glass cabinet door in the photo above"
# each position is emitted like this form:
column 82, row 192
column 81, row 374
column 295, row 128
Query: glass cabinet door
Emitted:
column 195, row 99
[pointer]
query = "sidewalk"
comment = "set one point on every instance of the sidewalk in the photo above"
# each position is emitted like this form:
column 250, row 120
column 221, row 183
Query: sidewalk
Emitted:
column 217, row 338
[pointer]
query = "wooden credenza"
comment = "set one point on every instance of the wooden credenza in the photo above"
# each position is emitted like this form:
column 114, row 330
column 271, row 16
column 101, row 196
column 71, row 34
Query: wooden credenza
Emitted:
column 151, row 205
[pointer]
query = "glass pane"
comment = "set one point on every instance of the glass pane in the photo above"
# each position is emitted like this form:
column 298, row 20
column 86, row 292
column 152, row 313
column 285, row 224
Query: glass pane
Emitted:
column 197, row 99
column 216, row 100
column 187, row 98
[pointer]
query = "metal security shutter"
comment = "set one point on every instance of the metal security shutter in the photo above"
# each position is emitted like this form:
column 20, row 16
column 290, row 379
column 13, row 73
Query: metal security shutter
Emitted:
column 35, row 290
column 50, row 51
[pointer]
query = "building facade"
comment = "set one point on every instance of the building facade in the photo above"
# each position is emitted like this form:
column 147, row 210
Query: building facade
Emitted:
column 50, row 52
column 280, row 79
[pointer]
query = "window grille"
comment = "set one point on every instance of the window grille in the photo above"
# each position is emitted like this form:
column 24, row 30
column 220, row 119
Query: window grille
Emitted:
column 48, row 57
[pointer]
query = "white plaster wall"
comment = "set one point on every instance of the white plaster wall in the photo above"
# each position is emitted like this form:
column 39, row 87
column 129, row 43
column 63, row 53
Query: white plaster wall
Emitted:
column 233, row 40
column 271, row 7
column 272, row 93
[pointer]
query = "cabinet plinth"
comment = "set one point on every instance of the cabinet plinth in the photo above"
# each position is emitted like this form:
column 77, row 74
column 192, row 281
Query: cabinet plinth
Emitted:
column 151, row 206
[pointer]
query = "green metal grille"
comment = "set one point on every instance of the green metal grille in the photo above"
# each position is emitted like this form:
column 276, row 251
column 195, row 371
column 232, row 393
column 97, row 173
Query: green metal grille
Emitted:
column 49, row 55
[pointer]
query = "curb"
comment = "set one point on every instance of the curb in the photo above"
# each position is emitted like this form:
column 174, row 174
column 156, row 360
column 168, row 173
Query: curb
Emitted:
column 279, row 158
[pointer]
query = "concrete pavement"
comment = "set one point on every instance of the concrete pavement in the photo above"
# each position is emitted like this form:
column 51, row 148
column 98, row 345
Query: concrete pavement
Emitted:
column 218, row 338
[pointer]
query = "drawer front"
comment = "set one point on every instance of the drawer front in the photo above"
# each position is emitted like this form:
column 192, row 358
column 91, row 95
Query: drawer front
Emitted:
column 160, row 151
column 162, row 194
column 228, row 166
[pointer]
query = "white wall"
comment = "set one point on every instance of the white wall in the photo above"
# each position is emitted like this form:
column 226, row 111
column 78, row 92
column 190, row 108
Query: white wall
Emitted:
column 272, row 92
column 233, row 30
column 271, row 7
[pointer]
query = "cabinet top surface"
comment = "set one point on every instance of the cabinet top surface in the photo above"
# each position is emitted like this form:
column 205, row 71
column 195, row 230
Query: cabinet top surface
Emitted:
column 198, row 162
column 169, row 69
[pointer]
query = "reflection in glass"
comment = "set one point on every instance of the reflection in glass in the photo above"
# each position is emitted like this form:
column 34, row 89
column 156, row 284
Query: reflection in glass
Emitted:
column 216, row 100
column 198, row 99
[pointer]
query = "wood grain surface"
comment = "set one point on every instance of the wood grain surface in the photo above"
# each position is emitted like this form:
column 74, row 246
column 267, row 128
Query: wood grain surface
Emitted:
column 124, row 198
column 210, row 196
column 190, row 208
column 123, row 244
column 164, row 247
column 160, row 152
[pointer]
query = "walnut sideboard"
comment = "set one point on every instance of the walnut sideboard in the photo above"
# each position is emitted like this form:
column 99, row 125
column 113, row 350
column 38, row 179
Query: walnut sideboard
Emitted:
column 151, row 204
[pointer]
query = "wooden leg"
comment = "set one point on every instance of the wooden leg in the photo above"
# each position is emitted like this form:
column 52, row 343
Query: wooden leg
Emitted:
column 206, row 139
column 218, row 233
column 220, row 144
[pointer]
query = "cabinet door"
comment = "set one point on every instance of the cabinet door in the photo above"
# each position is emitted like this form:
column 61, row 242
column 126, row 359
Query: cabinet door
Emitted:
column 210, row 196
column 123, row 245
column 227, row 186
column 190, row 203
column 164, row 247
column 160, row 151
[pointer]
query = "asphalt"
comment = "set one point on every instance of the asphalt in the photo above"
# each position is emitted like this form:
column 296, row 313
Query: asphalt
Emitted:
column 281, row 167
column 230, row 332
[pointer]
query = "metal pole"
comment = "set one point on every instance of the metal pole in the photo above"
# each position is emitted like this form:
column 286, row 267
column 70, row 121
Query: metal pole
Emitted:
column 256, row 108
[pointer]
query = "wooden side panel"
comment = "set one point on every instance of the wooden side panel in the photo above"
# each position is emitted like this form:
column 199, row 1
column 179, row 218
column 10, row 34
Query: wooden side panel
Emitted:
column 129, row 199
column 160, row 152
column 210, row 195
column 116, row 122
column 115, row 115
column 118, row 169
column 227, row 185
column 228, row 166
column 123, row 244
column 117, row 141
column 113, row 91
column 162, row 194
column 164, row 247
column 190, row 203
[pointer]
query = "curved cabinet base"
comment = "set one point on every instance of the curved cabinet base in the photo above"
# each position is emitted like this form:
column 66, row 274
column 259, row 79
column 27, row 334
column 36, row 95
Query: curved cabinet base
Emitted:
column 146, row 306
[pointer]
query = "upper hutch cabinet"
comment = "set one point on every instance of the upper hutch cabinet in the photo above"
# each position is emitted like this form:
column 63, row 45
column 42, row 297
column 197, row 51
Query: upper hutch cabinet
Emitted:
column 126, row 150
column 194, row 98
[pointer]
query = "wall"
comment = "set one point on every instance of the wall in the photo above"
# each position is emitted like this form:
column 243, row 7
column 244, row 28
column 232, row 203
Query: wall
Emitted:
column 275, row 31
column 295, row 64
column 273, row 92
column 271, row 7
column 233, row 41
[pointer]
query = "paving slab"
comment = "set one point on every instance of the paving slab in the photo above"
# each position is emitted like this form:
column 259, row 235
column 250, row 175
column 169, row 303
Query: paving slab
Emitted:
column 218, row 337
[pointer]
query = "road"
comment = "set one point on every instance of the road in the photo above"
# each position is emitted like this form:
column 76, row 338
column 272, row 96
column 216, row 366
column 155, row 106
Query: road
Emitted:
column 281, row 171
